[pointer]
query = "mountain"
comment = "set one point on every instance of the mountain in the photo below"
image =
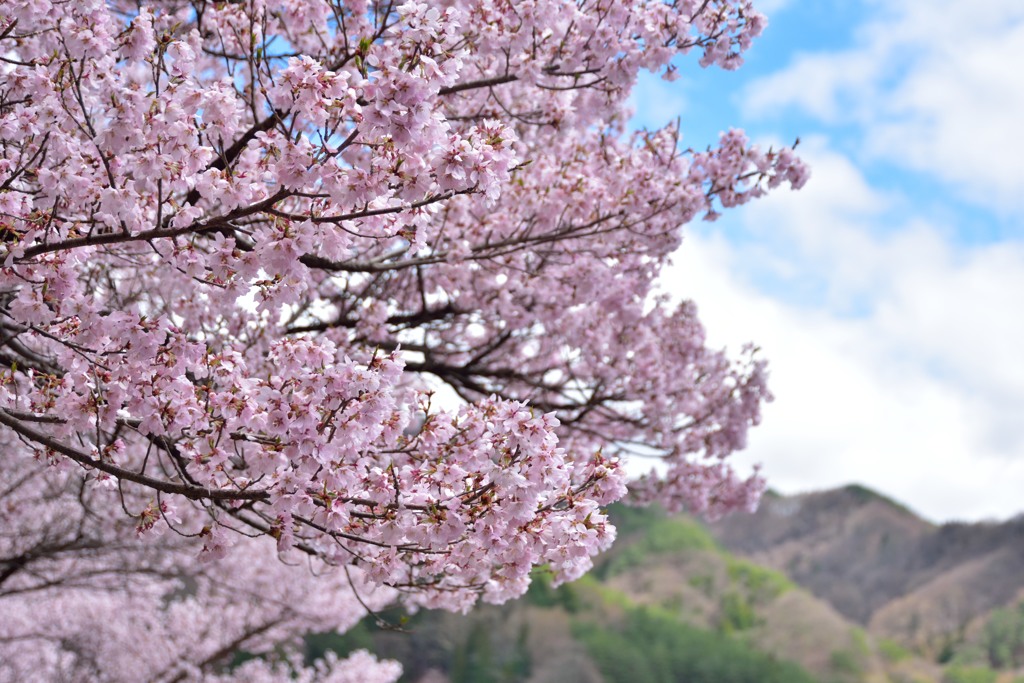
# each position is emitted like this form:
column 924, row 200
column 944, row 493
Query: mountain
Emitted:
column 925, row 586
column 840, row 586
column 667, row 603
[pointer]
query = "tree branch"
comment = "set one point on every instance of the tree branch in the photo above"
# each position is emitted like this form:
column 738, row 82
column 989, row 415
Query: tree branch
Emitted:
column 187, row 490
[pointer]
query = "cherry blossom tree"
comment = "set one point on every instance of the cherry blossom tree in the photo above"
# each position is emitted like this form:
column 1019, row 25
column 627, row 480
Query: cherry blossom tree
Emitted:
column 310, row 306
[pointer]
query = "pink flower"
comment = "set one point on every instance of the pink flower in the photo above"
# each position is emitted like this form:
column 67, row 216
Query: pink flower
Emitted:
column 338, row 307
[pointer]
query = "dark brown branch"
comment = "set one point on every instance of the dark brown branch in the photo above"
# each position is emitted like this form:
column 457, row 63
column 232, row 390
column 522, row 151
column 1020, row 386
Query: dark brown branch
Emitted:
column 424, row 316
column 198, row 228
column 187, row 490
column 473, row 85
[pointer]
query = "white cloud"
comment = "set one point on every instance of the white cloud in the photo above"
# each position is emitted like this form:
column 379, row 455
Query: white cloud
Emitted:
column 935, row 87
column 919, row 392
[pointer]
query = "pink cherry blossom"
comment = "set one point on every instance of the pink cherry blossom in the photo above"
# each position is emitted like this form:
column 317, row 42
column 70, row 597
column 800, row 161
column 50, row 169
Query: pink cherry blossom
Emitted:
column 351, row 303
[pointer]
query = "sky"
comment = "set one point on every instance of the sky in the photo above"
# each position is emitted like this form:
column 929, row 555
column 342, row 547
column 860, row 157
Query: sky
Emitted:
column 888, row 294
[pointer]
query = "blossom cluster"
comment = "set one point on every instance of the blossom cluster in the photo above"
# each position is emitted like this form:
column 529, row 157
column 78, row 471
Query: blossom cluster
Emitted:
column 349, row 290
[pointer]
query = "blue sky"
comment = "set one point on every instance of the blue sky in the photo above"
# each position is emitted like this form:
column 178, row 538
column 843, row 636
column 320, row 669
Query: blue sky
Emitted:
column 889, row 293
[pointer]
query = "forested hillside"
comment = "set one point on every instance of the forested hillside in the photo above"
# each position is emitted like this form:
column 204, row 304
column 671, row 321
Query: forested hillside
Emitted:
column 842, row 586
